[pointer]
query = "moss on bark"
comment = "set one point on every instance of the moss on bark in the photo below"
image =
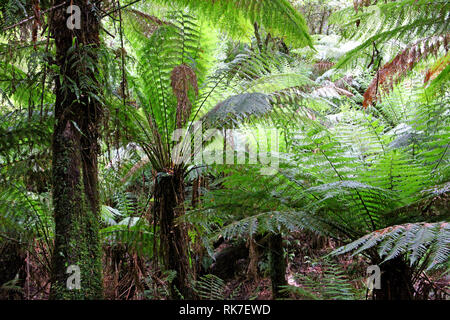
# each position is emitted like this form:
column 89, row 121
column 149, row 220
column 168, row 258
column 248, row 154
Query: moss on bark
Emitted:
column 75, row 148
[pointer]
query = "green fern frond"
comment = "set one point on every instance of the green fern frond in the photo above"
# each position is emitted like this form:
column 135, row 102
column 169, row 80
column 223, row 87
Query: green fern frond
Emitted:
column 277, row 16
column 333, row 284
column 415, row 240
column 25, row 216
column 404, row 20
column 210, row 287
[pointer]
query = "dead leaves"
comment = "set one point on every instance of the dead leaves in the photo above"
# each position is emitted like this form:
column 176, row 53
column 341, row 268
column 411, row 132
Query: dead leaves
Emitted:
column 392, row 72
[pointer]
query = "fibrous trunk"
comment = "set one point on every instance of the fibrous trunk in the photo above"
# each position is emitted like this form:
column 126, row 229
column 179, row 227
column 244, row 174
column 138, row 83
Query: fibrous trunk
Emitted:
column 396, row 281
column 169, row 198
column 75, row 148
column 277, row 265
column 12, row 263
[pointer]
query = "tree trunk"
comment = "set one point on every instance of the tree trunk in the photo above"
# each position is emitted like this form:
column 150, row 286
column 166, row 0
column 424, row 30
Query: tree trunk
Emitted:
column 75, row 148
column 322, row 20
column 396, row 281
column 277, row 265
column 253, row 254
column 169, row 198
column 12, row 262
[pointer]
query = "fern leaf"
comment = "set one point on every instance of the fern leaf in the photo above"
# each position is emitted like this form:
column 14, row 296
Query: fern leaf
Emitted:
column 277, row 16
column 210, row 287
column 414, row 240
column 395, row 70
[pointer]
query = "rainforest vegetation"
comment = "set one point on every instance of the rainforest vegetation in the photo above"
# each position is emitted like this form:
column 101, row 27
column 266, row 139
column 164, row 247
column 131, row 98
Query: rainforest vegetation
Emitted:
column 224, row 149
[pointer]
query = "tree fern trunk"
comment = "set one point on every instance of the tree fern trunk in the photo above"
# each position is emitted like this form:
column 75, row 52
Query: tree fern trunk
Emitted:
column 252, row 270
column 277, row 265
column 12, row 262
column 169, row 198
column 75, row 148
column 396, row 281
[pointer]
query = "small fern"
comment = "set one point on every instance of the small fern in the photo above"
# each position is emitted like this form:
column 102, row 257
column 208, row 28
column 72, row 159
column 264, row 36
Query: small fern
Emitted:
column 210, row 287
column 331, row 285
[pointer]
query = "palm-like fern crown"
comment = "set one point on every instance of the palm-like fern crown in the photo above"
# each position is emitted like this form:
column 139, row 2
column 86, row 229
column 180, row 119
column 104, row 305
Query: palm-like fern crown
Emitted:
column 169, row 72
column 174, row 86
column 354, row 175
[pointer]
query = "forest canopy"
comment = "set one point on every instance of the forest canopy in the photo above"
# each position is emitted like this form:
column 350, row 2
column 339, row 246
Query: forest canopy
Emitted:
column 224, row 150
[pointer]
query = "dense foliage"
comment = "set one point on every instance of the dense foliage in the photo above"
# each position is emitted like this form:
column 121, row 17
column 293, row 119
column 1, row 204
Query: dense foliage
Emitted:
column 233, row 149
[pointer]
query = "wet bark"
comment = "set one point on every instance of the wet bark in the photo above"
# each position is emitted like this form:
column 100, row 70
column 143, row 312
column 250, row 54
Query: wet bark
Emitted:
column 75, row 148
column 396, row 281
column 226, row 261
column 12, row 263
column 277, row 265
column 253, row 254
column 169, row 199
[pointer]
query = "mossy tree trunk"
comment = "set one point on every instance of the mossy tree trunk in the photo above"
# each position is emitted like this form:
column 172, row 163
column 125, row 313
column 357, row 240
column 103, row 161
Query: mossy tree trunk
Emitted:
column 169, row 199
column 277, row 265
column 75, row 149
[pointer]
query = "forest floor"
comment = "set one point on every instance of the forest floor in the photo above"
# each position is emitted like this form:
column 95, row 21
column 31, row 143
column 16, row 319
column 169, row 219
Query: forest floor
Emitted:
column 127, row 276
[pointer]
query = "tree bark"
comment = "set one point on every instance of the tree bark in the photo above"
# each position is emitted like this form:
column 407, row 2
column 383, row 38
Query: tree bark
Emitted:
column 169, row 199
column 75, row 148
column 396, row 281
column 12, row 262
column 277, row 265
column 253, row 254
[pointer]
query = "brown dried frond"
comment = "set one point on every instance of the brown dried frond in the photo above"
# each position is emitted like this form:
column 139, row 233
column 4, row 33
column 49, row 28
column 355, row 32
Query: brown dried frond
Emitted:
column 182, row 79
column 330, row 90
column 147, row 22
column 392, row 72
column 435, row 70
column 323, row 65
column 135, row 168
column 357, row 4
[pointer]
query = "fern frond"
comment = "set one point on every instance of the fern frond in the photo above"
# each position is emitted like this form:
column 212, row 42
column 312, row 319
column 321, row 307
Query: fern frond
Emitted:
column 25, row 215
column 238, row 108
column 391, row 25
column 415, row 240
column 395, row 70
column 19, row 132
column 331, row 285
column 133, row 232
column 277, row 16
column 210, row 287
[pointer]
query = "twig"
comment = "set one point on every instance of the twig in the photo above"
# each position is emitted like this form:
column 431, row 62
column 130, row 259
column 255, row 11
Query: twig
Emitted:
column 119, row 8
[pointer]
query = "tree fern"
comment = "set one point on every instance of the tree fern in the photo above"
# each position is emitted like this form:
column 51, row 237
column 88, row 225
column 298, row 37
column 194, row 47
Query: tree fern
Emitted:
column 404, row 20
column 415, row 240
column 277, row 16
